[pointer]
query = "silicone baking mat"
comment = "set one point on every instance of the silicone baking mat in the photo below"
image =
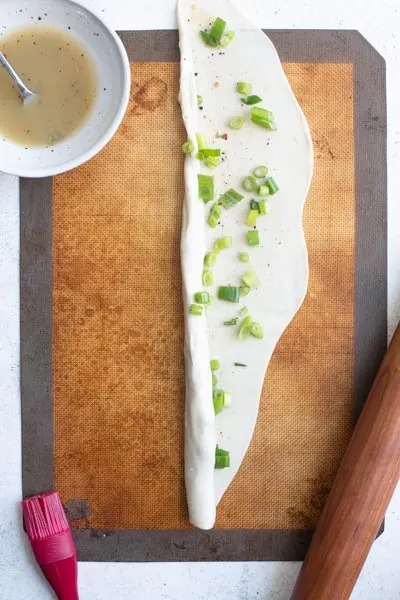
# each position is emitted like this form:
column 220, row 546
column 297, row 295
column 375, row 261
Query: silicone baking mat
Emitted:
column 102, row 324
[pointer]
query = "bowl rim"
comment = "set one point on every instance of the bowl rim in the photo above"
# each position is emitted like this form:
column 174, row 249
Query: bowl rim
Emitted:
column 108, row 134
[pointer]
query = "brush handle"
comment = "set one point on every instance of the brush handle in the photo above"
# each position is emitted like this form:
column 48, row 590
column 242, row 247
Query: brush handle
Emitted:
column 361, row 492
column 63, row 578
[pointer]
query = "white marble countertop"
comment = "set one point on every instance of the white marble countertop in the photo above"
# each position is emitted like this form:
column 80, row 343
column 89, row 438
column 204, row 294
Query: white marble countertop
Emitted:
column 379, row 22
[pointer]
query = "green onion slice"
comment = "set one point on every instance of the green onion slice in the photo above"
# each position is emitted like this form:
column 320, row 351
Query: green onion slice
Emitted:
column 206, row 187
column 243, row 311
column 229, row 293
column 218, row 401
column 251, row 280
column 252, row 217
column 206, row 152
column 244, row 257
column 263, row 117
column 272, row 185
column 254, row 205
column 217, row 29
column 263, row 191
column 202, row 297
column 245, row 290
column 253, row 237
column 216, row 211
column 201, row 141
column 249, row 100
column 224, row 243
column 245, row 328
column 214, row 364
column 227, row 399
column 244, row 88
column 261, row 171
column 227, row 39
column 232, row 322
column 195, row 309
column 256, row 331
column 222, row 461
column 250, row 183
column 263, row 207
column 236, row 123
column 207, row 278
column 230, row 198
column 212, row 221
column 199, row 99
column 214, row 380
column 211, row 162
column 188, row 147
column 221, row 452
column 210, row 259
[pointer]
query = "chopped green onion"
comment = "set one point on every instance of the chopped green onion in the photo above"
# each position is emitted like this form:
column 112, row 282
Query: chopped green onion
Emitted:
column 221, row 452
column 236, row 123
column 254, row 205
column 188, row 147
column 224, row 242
column 202, row 297
column 207, row 278
column 214, row 380
column 210, row 259
column 207, row 39
column 229, row 293
column 199, row 99
column 245, row 329
column 206, row 187
column 244, row 88
column 215, row 214
column 231, row 322
column 195, row 309
column 211, row 162
column 230, row 198
column 243, row 311
column 217, row 29
column 256, row 331
column 272, row 185
column 236, row 364
column 245, row 290
column 261, row 171
column 201, row 141
column 227, row 39
column 222, row 461
column 218, row 401
column 206, row 152
column 227, row 399
column 251, row 280
column 250, row 183
column 263, row 117
column 212, row 221
column 249, row 100
column 263, row 191
column 252, row 217
column 253, row 237
column 214, row 364
column 216, row 211
column 244, row 257
column 263, row 207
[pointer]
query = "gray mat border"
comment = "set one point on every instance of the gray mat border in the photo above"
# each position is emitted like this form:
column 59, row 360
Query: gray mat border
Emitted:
column 370, row 304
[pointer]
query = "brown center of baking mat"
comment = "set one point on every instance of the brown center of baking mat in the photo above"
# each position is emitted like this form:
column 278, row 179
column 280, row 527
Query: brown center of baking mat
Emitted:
column 102, row 324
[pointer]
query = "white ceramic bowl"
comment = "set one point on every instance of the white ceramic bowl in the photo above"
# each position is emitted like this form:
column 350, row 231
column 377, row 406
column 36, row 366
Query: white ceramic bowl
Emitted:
column 113, row 73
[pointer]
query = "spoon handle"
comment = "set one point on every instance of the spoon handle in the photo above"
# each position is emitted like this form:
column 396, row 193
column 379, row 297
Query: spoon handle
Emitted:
column 23, row 91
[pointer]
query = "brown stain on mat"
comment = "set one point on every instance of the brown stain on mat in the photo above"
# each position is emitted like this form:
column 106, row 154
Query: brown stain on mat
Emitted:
column 118, row 328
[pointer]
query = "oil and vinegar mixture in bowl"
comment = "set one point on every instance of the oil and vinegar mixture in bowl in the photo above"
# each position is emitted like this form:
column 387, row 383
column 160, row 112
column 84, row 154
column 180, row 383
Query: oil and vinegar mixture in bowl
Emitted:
column 57, row 67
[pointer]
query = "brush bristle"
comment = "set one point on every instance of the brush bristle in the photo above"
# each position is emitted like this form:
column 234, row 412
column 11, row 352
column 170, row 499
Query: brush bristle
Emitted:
column 44, row 516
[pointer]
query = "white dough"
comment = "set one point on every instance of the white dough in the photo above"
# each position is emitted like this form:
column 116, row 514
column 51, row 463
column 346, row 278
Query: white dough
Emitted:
column 281, row 259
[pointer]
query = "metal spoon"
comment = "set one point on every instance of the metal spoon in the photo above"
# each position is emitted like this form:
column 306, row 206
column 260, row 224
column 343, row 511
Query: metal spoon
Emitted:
column 26, row 94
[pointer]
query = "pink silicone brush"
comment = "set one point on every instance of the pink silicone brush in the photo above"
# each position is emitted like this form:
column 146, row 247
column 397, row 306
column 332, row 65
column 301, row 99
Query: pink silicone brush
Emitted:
column 51, row 540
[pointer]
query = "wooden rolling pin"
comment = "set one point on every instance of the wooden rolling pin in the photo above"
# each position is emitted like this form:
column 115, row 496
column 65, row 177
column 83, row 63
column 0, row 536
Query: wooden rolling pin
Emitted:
column 361, row 492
